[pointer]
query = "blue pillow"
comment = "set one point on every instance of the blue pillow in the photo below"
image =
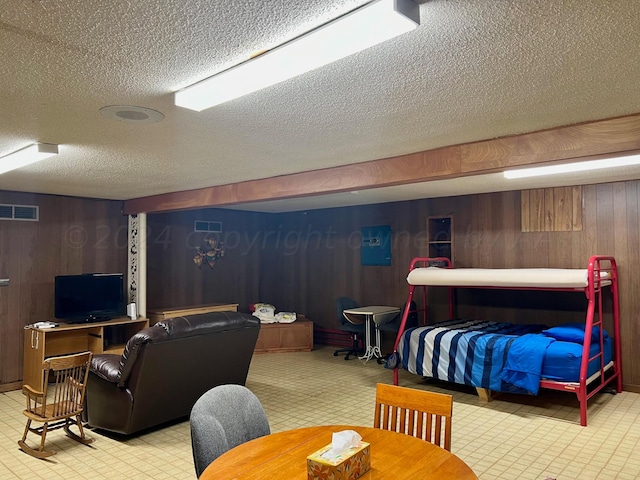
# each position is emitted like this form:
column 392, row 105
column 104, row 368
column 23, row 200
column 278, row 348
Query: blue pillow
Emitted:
column 573, row 332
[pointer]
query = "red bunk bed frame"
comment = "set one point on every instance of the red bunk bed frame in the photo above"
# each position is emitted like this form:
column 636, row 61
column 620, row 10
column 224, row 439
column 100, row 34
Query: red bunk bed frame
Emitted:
column 602, row 274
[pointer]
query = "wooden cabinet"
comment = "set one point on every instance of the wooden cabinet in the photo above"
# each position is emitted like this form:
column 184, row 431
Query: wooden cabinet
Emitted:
column 157, row 315
column 286, row 337
column 98, row 337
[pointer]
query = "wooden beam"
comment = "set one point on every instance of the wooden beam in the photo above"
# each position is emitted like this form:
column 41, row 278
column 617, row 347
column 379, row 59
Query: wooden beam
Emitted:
column 576, row 141
column 412, row 168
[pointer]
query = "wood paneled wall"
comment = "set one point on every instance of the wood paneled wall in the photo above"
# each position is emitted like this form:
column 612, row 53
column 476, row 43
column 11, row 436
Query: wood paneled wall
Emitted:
column 556, row 209
column 312, row 274
column 72, row 236
column 174, row 280
column 303, row 261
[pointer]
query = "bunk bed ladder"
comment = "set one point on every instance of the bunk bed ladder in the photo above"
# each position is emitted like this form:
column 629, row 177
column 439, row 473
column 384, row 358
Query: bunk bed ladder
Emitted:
column 596, row 272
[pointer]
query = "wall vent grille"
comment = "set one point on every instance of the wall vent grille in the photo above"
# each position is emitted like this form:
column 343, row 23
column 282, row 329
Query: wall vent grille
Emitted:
column 28, row 213
column 209, row 227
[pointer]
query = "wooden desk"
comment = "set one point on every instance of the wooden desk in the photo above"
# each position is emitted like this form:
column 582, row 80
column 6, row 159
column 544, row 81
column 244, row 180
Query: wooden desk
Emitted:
column 156, row 315
column 98, row 337
column 284, row 455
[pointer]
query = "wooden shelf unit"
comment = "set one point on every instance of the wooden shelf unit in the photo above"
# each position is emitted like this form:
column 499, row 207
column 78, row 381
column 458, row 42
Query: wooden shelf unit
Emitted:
column 440, row 236
column 156, row 315
column 286, row 337
column 98, row 337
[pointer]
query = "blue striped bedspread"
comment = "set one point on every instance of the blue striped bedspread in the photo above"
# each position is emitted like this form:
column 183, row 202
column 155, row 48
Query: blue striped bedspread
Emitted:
column 498, row 356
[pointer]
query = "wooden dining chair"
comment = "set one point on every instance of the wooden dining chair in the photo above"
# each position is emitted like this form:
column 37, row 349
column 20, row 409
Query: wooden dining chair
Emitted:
column 426, row 415
column 59, row 403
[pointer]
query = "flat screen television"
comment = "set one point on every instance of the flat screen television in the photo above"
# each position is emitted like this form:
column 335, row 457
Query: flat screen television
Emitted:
column 90, row 297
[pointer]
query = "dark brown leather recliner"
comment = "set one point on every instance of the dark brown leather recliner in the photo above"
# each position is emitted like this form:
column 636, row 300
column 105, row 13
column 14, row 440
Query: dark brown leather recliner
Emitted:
column 165, row 368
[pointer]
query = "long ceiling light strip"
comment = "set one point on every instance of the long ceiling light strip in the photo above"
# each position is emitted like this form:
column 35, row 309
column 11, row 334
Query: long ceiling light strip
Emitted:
column 27, row 155
column 362, row 28
column 573, row 167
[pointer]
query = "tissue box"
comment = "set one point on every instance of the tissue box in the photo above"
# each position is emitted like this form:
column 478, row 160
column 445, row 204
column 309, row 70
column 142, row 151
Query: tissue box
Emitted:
column 347, row 466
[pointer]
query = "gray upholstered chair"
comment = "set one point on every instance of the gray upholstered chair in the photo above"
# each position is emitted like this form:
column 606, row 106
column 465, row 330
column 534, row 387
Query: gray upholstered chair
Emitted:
column 223, row 418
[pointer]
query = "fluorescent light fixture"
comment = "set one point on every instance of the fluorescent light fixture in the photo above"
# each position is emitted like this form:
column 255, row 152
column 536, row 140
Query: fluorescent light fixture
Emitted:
column 27, row 155
column 574, row 167
column 362, row 28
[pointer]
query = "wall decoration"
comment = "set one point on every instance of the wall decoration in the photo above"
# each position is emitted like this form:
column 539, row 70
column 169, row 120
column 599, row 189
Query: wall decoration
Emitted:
column 211, row 250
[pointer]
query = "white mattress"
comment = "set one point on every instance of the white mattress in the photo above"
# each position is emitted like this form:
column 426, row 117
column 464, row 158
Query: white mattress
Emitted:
column 502, row 277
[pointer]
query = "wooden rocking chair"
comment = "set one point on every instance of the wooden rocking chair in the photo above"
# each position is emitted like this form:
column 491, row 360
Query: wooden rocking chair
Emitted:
column 60, row 403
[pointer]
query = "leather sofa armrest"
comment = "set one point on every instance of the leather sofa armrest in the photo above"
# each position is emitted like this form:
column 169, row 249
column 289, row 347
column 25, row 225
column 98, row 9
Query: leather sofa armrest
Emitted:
column 106, row 366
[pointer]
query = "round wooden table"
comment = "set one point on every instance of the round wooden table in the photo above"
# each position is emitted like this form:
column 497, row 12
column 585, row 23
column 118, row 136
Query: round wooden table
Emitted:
column 284, row 455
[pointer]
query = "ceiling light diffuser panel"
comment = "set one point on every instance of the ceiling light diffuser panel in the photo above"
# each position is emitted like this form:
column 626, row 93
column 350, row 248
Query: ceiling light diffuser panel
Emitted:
column 362, row 28
column 574, row 167
column 26, row 156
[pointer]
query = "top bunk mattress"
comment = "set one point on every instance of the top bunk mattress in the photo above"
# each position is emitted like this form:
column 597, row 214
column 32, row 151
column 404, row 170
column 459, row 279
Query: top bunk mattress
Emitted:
column 504, row 277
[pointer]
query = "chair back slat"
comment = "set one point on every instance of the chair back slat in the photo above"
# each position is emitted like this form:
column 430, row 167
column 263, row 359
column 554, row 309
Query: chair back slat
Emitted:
column 422, row 414
column 428, row 434
column 411, row 415
column 420, row 425
column 438, row 431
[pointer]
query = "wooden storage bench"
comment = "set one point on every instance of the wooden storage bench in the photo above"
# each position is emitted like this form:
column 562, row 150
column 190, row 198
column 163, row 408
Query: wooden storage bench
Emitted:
column 286, row 337
column 157, row 315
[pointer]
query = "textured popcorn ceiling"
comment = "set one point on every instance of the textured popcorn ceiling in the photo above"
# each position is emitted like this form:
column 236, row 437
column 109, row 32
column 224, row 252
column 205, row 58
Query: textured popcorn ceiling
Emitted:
column 473, row 70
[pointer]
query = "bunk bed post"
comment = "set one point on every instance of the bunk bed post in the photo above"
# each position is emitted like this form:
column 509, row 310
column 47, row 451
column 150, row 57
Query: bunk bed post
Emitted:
column 616, row 323
column 403, row 322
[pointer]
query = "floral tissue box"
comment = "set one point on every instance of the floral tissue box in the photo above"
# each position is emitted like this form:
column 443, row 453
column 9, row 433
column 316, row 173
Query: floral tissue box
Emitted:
column 349, row 465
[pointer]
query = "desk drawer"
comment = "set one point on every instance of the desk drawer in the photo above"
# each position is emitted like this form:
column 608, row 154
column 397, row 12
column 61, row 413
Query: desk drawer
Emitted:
column 64, row 343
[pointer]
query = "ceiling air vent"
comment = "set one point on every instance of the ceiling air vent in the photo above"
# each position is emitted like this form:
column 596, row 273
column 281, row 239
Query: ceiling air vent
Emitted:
column 28, row 213
column 204, row 226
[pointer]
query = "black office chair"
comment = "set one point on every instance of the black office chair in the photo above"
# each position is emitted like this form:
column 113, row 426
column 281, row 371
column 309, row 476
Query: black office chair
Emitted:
column 394, row 325
column 355, row 330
